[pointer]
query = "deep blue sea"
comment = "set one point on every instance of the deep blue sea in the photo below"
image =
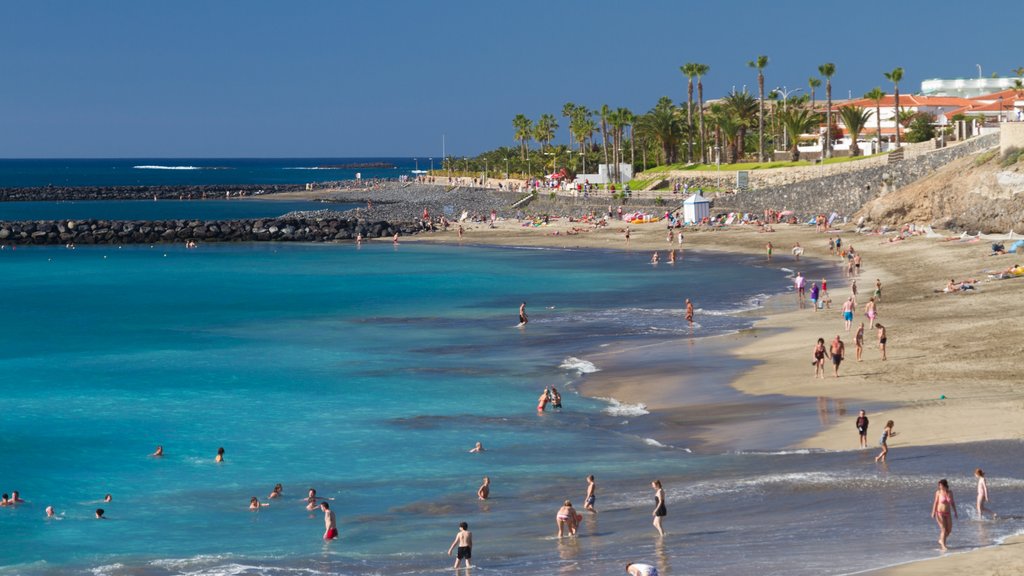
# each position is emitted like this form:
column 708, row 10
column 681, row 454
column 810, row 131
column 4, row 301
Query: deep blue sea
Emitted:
column 368, row 373
column 21, row 173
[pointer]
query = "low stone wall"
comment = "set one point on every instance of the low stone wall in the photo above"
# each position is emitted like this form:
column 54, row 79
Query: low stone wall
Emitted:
column 846, row 192
column 1011, row 135
column 170, row 231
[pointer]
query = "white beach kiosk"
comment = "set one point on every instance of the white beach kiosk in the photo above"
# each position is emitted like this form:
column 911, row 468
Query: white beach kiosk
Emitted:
column 696, row 208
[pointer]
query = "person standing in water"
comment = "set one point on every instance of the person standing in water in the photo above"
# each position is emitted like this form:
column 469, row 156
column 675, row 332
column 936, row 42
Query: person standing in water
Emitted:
column 330, row 522
column 464, row 542
column 542, row 402
column 523, row 319
column 588, row 503
column 484, row 491
column 689, row 311
column 982, row 494
column 556, row 398
column 886, row 434
column 941, row 506
column 659, row 506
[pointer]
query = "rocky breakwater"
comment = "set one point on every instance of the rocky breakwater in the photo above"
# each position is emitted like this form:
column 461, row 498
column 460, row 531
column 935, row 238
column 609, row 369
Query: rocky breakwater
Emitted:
column 195, row 192
column 285, row 229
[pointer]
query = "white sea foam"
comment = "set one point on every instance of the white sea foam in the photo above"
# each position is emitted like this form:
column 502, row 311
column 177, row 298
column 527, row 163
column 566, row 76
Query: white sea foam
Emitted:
column 157, row 167
column 307, row 168
column 616, row 408
column 580, row 366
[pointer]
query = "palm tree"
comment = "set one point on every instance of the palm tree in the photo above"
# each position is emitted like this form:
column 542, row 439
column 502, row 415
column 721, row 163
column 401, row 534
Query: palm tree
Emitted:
column 568, row 111
column 876, row 95
column 663, row 125
column 760, row 64
column 701, row 70
column 813, row 82
column 895, row 76
column 603, row 115
column 743, row 107
column 827, row 70
column 689, row 70
column 629, row 119
column 798, row 120
column 544, row 130
column 855, row 119
column 524, row 132
column 615, row 127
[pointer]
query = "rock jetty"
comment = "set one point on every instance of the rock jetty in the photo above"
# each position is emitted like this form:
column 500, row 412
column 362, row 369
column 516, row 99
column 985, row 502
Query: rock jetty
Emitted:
column 197, row 192
column 285, row 229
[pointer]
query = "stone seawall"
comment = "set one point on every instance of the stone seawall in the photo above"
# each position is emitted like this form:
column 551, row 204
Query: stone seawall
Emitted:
column 195, row 192
column 285, row 229
column 847, row 192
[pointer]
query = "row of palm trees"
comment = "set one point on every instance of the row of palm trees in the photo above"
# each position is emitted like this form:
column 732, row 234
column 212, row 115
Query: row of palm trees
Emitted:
column 672, row 133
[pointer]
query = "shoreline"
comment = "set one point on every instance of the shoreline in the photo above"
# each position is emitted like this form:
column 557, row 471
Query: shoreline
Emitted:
column 947, row 378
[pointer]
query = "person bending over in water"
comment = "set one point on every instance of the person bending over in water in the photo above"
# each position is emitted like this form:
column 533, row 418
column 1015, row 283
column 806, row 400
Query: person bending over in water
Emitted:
column 484, row 491
column 566, row 519
column 886, row 434
column 637, row 569
column 941, row 506
column 982, row 495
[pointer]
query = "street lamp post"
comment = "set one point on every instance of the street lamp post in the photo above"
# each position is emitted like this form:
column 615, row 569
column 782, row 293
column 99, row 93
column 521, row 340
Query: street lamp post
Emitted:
column 431, row 166
column 785, row 106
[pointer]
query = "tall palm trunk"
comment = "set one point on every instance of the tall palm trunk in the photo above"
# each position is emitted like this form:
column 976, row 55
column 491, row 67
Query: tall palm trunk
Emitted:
column 878, row 123
column 700, row 112
column 760, row 117
column 896, row 93
column 689, row 120
column 827, row 153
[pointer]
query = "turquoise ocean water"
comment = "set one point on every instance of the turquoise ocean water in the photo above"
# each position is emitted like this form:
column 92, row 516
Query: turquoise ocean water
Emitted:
column 368, row 373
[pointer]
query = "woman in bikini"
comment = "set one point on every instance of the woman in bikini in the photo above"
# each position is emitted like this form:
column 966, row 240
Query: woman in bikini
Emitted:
column 566, row 519
column 659, row 506
column 542, row 402
column 941, row 506
column 819, row 358
column 886, row 434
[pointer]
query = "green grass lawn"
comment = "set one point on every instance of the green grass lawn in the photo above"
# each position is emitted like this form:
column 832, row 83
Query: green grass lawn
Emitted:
column 751, row 165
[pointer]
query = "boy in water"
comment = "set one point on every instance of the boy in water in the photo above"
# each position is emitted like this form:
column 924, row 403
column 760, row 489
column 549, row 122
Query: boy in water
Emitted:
column 464, row 540
column 588, row 503
column 330, row 522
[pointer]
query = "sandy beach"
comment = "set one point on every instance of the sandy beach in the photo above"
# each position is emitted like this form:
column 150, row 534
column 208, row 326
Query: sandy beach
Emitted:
column 951, row 373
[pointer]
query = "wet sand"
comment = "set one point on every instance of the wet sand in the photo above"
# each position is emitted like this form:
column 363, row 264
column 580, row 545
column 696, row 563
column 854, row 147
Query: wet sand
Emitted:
column 952, row 372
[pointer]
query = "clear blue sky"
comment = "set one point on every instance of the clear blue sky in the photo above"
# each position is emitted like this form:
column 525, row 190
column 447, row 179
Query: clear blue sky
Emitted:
column 258, row 78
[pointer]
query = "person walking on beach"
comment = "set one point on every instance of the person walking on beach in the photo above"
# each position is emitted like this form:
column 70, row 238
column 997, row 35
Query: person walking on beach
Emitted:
column 838, row 353
column 588, row 503
column 799, row 283
column 862, row 428
column 659, row 506
column 814, row 296
column 884, row 442
column 941, row 506
column 639, row 569
column 627, row 233
column 870, row 311
column 523, row 319
column 858, row 341
column 689, row 311
column 848, row 313
column 484, row 491
column 464, row 542
column 819, row 358
column 982, row 494
column 330, row 522
column 566, row 519
column 878, row 289
column 853, row 291
column 881, row 339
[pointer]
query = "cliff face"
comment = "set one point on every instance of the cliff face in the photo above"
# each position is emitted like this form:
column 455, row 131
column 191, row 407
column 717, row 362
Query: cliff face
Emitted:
column 971, row 194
